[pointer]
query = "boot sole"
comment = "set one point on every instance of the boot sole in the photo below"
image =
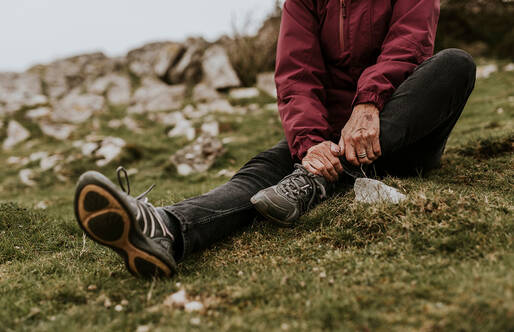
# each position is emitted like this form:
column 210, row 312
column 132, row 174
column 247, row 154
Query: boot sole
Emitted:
column 105, row 218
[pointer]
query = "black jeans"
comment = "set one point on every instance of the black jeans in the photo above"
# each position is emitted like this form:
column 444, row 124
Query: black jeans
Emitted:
column 414, row 127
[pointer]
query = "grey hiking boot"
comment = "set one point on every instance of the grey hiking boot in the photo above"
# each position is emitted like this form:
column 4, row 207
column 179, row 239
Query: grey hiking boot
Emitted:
column 294, row 195
column 130, row 226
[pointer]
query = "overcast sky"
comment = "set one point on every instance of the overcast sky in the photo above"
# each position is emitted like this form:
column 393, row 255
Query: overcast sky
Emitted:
column 38, row 31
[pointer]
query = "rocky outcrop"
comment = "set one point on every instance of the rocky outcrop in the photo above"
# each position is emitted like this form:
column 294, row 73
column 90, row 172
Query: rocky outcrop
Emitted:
column 154, row 59
column 116, row 88
column 16, row 134
column 217, row 69
column 20, row 90
column 155, row 96
column 78, row 108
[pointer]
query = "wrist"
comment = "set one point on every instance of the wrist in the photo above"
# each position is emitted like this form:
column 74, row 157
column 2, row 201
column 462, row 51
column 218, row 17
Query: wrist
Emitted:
column 366, row 108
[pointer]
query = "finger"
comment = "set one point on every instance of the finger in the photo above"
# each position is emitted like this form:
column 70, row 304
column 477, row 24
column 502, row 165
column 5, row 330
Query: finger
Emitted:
column 336, row 163
column 341, row 147
column 369, row 150
column 308, row 167
column 376, row 146
column 362, row 155
column 335, row 149
column 330, row 169
column 351, row 157
column 318, row 165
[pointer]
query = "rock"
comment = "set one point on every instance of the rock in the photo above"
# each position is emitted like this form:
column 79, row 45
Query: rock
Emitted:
column 26, row 177
column 204, row 93
column 59, row 131
column 219, row 105
column 16, row 134
column 86, row 148
column 129, row 123
column 110, row 149
column 49, row 162
column 193, row 306
column 244, row 93
column 116, row 87
column 77, row 108
column 199, row 156
column 37, row 156
column 266, row 83
column 178, row 299
column 217, row 69
column 192, row 113
column 374, row 192
column 154, row 96
column 486, row 70
column 20, row 90
column 167, row 119
column 154, row 59
column 189, row 68
column 38, row 113
column 183, row 128
column 17, row 161
column 509, row 67
column 211, row 128
column 226, row 173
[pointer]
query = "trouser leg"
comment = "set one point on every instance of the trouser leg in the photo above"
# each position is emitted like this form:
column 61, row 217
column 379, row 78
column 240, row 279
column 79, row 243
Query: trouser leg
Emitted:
column 416, row 122
column 210, row 217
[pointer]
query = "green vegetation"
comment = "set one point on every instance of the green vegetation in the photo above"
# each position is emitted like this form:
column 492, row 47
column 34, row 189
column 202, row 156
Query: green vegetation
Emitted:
column 442, row 260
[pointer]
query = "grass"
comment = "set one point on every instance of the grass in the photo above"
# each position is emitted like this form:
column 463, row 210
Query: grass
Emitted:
column 442, row 260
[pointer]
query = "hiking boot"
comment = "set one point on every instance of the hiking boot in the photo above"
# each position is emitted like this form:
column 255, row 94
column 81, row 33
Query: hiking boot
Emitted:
column 294, row 195
column 130, row 226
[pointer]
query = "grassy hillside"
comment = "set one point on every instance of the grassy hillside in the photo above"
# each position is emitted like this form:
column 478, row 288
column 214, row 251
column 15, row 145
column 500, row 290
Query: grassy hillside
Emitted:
column 442, row 260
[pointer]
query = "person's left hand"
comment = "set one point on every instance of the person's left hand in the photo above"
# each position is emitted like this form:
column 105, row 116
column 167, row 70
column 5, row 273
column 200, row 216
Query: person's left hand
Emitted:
column 360, row 136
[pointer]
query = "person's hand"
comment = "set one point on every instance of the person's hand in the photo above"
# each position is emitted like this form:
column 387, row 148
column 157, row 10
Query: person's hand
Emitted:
column 323, row 159
column 360, row 136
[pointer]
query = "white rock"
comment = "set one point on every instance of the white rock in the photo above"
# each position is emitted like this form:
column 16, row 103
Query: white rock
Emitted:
column 266, row 83
column 49, row 162
column 16, row 134
column 154, row 96
column 154, row 58
column 200, row 155
column 178, row 299
column 18, row 90
column 38, row 113
column 193, row 306
column 117, row 88
column 26, row 177
column 211, row 128
column 509, row 67
column 17, row 161
column 373, row 192
column 244, row 93
column 110, row 149
column 168, row 119
column 77, row 108
column 204, row 93
column 218, row 72
column 192, row 113
column 59, row 131
column 184, row 169
column 486, row 70
column 219, row 105
column 37, row 156
column 183, row 128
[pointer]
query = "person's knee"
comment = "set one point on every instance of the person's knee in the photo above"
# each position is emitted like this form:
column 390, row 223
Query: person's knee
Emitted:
column 458, row 63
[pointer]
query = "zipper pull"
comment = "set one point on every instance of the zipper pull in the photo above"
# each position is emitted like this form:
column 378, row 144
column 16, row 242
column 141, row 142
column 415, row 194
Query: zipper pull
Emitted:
column 343, row 5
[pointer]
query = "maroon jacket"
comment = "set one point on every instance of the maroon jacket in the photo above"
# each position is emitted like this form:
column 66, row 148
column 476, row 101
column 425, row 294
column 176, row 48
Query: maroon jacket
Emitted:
column 335, row 54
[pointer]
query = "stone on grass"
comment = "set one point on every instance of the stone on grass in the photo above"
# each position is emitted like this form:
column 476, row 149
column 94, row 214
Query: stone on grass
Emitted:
column 38, row 113
column 219, row 105
column 374, row 192
column 217, row 69
column 211, row 128
column 59, row 131
column 16, row 134
column 77, row 108
column 178, row 299
column 199, row 156
column 486, row 70
column 49, row 162
column 204, row 93
column 167, row 119
column 26, row 177
column 244, row 93
column 154, row 96
column 183, row 128
column 509, row 67
column 17, row 161
column 266, row 83
column 127, row 122
column 110, row 148
column 193, row 306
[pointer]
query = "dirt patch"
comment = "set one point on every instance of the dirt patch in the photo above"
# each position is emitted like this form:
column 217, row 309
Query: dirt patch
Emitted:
column 488, row 148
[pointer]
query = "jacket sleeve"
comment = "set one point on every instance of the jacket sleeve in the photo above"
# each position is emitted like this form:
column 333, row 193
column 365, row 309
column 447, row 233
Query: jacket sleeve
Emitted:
column 300, row 72
column 409, row 42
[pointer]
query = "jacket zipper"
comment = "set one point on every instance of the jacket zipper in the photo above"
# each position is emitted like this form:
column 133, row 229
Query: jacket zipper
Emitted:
column 342, row 16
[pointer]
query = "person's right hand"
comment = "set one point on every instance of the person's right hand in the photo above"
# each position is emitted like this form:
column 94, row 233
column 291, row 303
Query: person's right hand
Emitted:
column 323, row 159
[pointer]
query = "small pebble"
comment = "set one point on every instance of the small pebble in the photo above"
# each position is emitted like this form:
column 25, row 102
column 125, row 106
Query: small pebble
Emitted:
column 193, row 306
column 118, row 308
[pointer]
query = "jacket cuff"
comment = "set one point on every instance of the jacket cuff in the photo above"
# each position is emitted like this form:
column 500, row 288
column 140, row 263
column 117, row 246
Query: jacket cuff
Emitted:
column 304, row 143
column 366, row 97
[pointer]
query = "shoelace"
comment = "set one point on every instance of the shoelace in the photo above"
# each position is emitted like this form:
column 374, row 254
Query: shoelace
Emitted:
column 142, row 203
column 294, row 188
